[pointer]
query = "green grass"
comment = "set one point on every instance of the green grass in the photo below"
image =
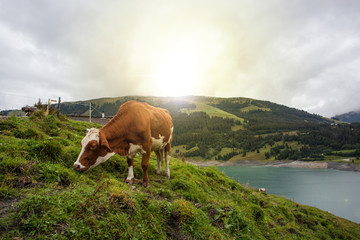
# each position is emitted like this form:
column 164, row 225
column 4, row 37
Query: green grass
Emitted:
column 42, row 197
column 211, row 111
column 237, row 128
column 345, row 151
column 253, row 108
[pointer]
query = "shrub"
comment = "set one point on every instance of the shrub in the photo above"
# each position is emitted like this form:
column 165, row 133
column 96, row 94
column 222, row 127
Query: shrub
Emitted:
column 40, row 114
column 47, row 150
column 190, row 220
column 236, row 223
column 29, row 133
column 122, row 200
column 7, row 125
column 257, row 213
column 6, row 192
column 51, row 173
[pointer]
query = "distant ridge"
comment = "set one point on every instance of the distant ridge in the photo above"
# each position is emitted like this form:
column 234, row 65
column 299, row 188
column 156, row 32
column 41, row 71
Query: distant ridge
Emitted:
column 240, row 108
column 350, row 117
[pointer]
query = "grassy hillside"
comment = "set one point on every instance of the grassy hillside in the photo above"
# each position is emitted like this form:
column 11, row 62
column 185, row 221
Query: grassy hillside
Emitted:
column 42, row 197
column 211, row 111
column 207, row 127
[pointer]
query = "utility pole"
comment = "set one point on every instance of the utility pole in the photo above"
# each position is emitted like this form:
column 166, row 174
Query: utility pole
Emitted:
column 90, row 113
column 59, row 106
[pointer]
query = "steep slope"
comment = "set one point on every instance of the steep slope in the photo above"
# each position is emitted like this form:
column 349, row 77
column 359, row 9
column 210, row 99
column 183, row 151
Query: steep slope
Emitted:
column 42, row 197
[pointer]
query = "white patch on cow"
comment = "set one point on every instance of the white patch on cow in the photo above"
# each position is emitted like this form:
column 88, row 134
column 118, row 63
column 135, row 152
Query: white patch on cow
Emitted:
column 130, row 174
column 172, row 129
column 158, row 143
column 102, row 159
column 134, row 149
column 92, row 134
column 77, row 160
column 78, row 163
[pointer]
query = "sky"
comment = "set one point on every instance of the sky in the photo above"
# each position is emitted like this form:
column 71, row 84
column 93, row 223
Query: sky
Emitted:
column 299, row 53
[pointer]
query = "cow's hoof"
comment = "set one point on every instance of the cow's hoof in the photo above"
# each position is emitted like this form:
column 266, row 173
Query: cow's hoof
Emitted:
column 145, row 183
column 129, row 181
column 158, row 172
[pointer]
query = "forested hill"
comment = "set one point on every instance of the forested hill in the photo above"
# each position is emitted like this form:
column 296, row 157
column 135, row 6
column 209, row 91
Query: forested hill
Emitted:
column 241, row 129
column 233, row 108
column 349, row 117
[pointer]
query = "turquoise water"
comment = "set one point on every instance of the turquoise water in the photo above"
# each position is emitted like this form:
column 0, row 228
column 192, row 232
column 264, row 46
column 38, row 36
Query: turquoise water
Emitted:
column 327, row 189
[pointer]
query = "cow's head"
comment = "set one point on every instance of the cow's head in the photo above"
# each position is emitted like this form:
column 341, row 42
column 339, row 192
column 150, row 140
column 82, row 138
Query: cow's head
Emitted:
column 95, row 150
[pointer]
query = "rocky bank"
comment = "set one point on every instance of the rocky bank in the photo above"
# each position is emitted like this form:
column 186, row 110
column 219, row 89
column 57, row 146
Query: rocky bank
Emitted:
column 344, row 166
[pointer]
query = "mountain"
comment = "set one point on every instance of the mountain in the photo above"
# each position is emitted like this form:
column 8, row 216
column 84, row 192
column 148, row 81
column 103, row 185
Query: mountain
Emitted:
column 210, row 128
column 233, row 108
column 349, row 117
column 43, row 197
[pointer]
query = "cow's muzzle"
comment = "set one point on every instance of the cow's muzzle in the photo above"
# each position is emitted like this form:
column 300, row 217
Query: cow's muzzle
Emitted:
column 78, row 167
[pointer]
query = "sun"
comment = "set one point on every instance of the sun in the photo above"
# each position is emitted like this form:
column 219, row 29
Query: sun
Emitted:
column 177, row 61
column 177, row 69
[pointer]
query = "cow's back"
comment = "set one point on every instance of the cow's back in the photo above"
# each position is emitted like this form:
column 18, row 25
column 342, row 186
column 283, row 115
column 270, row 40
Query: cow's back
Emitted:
column 141, row 121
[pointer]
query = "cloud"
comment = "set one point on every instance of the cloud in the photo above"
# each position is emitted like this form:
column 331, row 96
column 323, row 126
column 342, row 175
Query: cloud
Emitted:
column 302, row 54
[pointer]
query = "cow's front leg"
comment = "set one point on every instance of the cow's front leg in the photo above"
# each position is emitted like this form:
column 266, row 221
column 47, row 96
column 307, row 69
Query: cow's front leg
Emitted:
column 130, row 177
column 145, row 167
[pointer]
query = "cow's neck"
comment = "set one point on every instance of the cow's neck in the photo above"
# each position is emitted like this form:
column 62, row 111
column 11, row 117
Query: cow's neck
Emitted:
column 115, row 133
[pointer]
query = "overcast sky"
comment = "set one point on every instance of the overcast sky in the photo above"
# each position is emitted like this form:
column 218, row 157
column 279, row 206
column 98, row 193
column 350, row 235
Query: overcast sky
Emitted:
column 300, row 53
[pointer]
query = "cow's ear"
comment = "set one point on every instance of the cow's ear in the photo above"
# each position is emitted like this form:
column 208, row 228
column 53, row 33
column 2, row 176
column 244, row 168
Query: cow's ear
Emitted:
column 103, row 141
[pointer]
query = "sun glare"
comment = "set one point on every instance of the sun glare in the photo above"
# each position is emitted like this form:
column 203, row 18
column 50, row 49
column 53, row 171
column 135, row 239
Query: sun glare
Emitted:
column 180, row 66
column 177, row 69
column 176, row 62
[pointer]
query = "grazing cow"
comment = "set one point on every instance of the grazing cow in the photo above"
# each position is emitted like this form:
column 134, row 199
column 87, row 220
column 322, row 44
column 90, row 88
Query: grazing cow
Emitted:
column 137, row 127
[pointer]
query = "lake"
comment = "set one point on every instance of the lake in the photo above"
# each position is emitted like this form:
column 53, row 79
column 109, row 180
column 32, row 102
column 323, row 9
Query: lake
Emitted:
column 327, row 189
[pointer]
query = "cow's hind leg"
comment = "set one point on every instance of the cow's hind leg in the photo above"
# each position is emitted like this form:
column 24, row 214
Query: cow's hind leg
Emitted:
column 158, row 157
column 130, row 177
column 162, row 157
column 167, row 160
column 145, row 166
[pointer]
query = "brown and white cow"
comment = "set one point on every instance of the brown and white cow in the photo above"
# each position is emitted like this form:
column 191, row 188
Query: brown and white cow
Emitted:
column 137, row 127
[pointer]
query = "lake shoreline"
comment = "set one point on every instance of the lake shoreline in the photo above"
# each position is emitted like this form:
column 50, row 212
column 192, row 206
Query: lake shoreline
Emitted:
column 343, row 166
